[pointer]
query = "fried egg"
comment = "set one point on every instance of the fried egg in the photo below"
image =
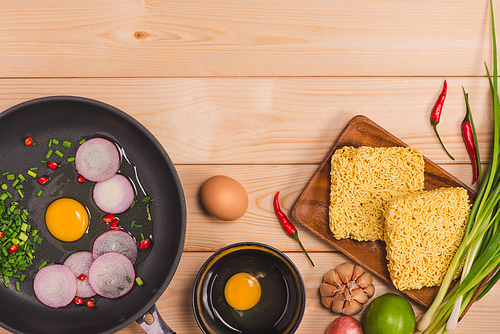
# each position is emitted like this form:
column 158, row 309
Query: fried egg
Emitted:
column 242, row 291
column 66, row 219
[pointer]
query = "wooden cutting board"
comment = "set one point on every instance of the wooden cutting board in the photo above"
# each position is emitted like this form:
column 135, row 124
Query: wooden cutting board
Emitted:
column 311, row 208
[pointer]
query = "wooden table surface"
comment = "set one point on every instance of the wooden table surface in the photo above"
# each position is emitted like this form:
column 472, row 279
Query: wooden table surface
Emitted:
column 259, row 90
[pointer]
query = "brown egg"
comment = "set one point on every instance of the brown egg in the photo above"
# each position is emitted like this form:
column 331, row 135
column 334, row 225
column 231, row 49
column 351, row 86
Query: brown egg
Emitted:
column 224, row 197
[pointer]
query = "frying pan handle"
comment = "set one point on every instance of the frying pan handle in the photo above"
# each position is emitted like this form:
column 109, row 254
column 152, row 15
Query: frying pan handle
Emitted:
column 158, row 326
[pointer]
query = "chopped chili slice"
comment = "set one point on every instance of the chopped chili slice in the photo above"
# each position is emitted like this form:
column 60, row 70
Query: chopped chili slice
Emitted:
column 90, row 303
column 109, row 218
column 28, row 141
column 78, row 301
column 52, row 165
column 80, row 179
column 1, row 234
column 13, row 248
column 82, row 277
column 115, row 227
column 43, row 180
column 115, row 222
column 145, row 244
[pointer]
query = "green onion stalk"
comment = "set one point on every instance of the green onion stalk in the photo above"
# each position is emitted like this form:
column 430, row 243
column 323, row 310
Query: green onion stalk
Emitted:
column 479, row 251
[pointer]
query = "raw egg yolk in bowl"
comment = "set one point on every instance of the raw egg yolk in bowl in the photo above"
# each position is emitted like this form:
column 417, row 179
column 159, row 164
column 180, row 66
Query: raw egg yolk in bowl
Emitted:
column 66, row 219
column 242, row 291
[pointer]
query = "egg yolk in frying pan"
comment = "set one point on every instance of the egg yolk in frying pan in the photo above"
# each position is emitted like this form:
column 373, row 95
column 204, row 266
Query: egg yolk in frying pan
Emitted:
column 66, row 219
column 242, row 291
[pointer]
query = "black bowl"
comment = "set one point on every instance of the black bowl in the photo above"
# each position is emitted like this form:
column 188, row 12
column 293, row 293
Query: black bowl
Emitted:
column 283, row 296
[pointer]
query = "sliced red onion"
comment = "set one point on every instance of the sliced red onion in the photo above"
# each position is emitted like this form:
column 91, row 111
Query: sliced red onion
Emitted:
column 114, row 195
column 97, row 159
column 79, row 263
column 55, row 285
column 117, row 241
column 112, row 275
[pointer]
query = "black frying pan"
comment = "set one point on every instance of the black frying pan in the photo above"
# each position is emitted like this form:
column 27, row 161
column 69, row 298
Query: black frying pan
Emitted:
column 71, row 118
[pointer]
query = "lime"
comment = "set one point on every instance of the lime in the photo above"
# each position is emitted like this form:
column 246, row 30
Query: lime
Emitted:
column 389, row 314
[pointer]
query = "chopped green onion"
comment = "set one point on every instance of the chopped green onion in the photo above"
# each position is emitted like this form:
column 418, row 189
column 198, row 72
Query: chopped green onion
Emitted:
column 44, row 263
column 70, row 159
column 146, row 199
column 66, row 144
column 55, row 141
column 3, row 174
column 31, row 173
column 39, row 193
column 128, row 279
column 81, row 141
column 17, row 286
column 21, row 177
column 11, row 177
column 59, row 153
column 49, row 153
column 139, row 281
column 4, row 186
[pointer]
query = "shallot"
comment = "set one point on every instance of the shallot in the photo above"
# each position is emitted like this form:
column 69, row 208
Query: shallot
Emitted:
column 114, row 195
column 55, row 285
column 345, row 325
column 112, row 275
column 117, row 241
column 97, row 159
column 79, row 263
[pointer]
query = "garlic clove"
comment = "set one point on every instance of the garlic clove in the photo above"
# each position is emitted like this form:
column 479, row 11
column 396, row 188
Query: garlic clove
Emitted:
column 338, row 303
column 352, row 307
column 345, row 271
column 358, row 271
column 364, row 280
column 327, row 301
column 328, row 290
column 369, row 290
column 359, row 295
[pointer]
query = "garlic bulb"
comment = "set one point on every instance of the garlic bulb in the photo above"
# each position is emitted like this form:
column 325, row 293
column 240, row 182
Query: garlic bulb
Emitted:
column 346, row 288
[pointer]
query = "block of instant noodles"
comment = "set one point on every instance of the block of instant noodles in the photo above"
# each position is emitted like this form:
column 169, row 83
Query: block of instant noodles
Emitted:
column 362, row 180
column 422, row 233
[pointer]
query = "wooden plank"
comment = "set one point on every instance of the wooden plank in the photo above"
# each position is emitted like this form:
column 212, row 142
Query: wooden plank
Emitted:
column 175, row 304
column 277, row 120
column 259, row 223
column 244, row 38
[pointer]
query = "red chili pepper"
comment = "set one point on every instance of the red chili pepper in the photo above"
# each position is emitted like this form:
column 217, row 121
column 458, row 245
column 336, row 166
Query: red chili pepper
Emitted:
column 82, row 277
column 13, row 248
column 144, row 244
column 78, row 301
column 287, row 224
column 470, row 140
column 80, row 179
column 52, row 165
column 108, row 218
column 115, row 227
column 90, row 303
column 436, row 115
column 43, row 180
column 28, row 141
column 1, row 234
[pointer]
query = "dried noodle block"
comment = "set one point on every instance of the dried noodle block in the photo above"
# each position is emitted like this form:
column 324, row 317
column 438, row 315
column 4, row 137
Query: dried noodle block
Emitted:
column 363, row 180
column 422, row 233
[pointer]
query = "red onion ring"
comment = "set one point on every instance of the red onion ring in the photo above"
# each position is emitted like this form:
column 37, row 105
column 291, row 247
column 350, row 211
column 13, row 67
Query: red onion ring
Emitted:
column 55, row 285
column 97, row 159
column 112, row 275
column 114, row 195
column 117, row 241
column 79, row 263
